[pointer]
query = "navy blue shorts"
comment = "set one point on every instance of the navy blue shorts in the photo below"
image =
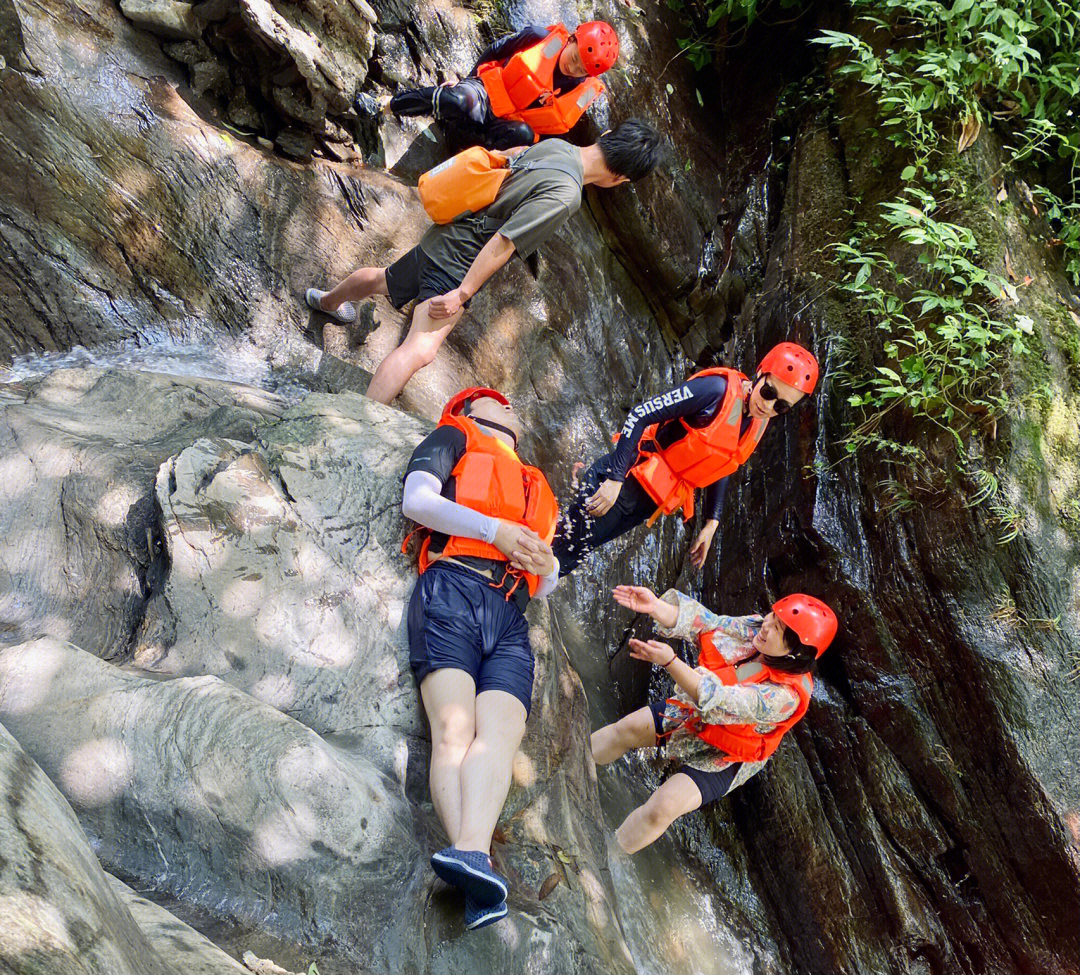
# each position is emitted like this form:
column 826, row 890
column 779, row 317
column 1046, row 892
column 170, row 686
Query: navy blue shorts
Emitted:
column 458, row 621
column 711, row 785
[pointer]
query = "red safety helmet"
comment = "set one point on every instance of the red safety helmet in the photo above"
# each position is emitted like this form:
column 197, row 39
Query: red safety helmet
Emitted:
column 598, row 45
column 457, row 403
column 810, row 618
column 793, row 365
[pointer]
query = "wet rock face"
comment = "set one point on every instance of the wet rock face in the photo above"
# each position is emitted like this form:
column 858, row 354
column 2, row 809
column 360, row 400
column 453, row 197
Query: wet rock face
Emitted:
column 77, row 513
column 112, row 740
column 59, row 912
column 162, row 214
column 928, row 784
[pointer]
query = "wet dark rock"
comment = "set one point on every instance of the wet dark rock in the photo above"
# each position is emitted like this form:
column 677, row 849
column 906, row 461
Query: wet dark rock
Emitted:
column 927, row 785
column 295, row 143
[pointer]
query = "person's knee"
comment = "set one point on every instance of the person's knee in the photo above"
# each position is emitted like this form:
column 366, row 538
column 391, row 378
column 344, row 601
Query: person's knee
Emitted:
column 634, row 728
column 421, row 354
column 420, row 349
column 662, row 810
column 375, row 279
column 453, row 729
column 509, row 135
column 452, row 102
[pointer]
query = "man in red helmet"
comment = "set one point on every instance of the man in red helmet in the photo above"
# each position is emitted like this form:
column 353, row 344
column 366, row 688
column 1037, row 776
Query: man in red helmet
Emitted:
column 488, row 521
column 751, row 684
column 539, row 81
column 692, row 436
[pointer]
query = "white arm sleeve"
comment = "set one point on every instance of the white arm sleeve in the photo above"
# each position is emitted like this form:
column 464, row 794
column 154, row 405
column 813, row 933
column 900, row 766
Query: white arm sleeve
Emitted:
column 422, row 502
column 547, row 583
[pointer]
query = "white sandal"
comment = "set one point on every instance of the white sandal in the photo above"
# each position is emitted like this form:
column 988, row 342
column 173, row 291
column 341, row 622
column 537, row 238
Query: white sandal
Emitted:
column 344, row 313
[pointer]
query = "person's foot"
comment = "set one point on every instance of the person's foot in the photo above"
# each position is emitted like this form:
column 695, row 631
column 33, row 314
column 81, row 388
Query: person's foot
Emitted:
column 470, row 871
column 344, row 313
column 480, row 917
column 368, row 106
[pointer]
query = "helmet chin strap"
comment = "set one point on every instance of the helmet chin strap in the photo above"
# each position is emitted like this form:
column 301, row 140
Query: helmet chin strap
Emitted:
column 495, row 426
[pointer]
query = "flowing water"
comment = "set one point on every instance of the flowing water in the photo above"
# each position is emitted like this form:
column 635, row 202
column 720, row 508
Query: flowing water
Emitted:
column 194, row 350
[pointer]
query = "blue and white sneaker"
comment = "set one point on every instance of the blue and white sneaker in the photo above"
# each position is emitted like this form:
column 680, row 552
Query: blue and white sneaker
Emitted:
column 470, row 871
column 480, row 917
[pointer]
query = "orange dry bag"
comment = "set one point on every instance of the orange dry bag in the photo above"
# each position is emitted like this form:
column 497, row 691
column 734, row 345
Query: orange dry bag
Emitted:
column 465, row 183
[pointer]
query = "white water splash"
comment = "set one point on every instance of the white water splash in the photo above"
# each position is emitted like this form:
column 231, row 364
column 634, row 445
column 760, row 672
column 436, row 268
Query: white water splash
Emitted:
column 195, row 351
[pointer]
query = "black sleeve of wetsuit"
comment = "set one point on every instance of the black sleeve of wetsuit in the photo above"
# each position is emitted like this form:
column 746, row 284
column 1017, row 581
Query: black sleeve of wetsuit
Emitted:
column 714, row 499
column 506, row 47
column 438, row 453
column 701, row 395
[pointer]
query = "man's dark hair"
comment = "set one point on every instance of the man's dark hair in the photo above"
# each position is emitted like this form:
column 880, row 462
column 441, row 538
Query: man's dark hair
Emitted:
column 632, row 150
column 800, row 658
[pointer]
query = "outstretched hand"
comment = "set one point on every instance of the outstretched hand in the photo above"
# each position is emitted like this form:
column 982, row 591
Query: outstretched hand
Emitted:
column 652, row 651
column 641, row 599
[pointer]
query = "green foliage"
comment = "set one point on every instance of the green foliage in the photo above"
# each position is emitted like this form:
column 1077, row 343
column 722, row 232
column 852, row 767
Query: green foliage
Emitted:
column 945, row 348
column 986, row 488
column 939, row 72
column 1014, row 60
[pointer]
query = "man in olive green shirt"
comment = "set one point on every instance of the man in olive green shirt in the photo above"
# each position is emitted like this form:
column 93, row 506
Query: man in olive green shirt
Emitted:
column 453, row 261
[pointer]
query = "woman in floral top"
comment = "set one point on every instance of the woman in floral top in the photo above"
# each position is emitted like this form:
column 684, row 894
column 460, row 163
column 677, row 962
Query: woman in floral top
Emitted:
column 750, row 710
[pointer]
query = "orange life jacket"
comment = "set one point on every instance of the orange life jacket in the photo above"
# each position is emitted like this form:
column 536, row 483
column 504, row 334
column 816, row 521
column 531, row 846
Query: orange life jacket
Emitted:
column 706, row 454
column 742, row 742
column 530, row 76
column 491, row 479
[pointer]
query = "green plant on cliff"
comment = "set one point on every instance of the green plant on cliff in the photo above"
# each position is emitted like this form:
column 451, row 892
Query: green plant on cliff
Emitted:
column 943, row 345
column 947, row 327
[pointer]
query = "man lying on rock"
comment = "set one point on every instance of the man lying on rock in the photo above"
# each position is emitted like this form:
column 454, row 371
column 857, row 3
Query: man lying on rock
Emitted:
column 752, row 684
column 539, row 81
column 488, row 521
column 692, row 436
column 453, row 260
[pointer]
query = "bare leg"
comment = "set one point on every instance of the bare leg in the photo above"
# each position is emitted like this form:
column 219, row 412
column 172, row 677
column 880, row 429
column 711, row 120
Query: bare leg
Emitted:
column 450, row 702
column 485, row 773
column 425, row 336
column 636, row 730
column 362, row 283
column 675, row 798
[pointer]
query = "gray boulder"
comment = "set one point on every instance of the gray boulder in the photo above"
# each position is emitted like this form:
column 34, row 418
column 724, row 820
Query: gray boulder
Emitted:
column 60, row 912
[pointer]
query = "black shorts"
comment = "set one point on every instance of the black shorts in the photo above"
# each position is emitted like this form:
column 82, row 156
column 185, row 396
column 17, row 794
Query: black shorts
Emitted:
column 415, row 275
column 712, row 785
column 458, row 621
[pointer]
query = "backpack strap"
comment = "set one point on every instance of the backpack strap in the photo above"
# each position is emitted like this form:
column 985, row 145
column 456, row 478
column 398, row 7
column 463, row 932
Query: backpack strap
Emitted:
column 554, row 164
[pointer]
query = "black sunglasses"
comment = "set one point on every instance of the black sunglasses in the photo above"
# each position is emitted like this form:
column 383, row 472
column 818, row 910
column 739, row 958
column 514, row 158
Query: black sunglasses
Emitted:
column 769, row 393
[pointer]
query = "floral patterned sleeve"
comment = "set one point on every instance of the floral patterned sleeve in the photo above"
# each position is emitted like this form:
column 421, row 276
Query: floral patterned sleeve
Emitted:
column 695, row 618
column 758, row 704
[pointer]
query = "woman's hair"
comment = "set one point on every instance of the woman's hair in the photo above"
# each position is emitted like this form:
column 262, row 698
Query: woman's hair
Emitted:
column 800, row 658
